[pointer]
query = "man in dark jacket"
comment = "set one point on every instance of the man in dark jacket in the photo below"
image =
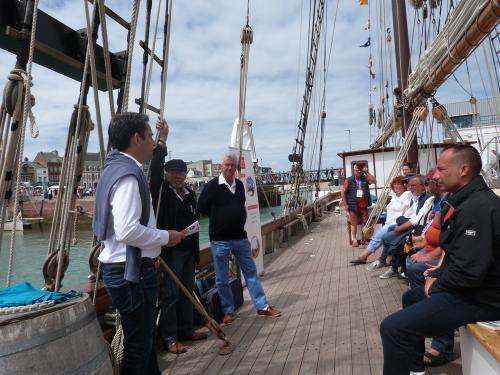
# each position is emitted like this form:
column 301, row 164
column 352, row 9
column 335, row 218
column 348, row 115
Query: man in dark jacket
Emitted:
column 223, row 200
column 175, row 205
column 465, row 288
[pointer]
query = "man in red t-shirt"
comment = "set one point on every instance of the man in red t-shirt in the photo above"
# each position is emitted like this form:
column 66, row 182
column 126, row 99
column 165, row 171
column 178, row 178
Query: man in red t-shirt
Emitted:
column 356, row 198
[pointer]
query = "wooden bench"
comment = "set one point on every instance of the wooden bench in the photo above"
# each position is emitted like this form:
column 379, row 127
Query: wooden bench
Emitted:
column 480, row 349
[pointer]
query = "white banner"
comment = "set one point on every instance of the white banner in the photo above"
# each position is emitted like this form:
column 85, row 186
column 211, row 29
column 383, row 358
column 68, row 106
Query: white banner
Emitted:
column 252, row 226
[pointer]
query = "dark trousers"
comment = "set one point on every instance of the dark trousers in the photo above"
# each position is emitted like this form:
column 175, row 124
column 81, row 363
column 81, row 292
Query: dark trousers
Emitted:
column 403, row 333
column 176, row 316
column 443, row 343
column 136, row 303
column 393, row 245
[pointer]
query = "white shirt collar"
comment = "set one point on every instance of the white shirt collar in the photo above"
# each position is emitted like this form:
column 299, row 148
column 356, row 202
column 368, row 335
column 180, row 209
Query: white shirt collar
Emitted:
column 186, row 192
column 232, row 187
column 131, row 157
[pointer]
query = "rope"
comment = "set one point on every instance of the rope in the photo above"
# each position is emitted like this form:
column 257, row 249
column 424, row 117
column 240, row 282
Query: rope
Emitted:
column 74, row 153
column 107, row 62
column 27, row 101
column 130, row 51
column 93, row 73
column 419, row 114
column 465, row 14
column 151, row 61
column 117, row 344
column 246, row 38
column 166, row 50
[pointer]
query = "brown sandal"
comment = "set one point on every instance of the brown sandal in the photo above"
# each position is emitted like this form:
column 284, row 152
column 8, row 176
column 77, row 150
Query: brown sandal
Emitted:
column 176, row 348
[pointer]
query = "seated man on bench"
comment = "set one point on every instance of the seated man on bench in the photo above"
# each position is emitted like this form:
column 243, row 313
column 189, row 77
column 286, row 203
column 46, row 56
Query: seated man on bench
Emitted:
column 466, row 287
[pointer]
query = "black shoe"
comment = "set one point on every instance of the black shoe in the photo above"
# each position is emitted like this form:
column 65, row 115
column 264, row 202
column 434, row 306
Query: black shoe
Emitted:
column 358, row 261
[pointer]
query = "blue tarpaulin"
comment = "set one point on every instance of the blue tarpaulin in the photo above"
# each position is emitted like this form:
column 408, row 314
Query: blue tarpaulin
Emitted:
column 24, row 294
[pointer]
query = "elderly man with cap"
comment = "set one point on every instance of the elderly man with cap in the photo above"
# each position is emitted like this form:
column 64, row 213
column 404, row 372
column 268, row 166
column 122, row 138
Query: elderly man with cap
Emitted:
column 175, row 205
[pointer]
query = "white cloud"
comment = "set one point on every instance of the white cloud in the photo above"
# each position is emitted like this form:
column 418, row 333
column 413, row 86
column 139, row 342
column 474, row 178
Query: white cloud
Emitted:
column 203, row 79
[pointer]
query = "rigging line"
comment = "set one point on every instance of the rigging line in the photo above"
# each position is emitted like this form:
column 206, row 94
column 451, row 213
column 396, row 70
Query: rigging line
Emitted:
column 248, row 12
column 166, row 51
column 468, row 75
column 461, row 86
column 151, row 61
column 440, row 13
column 298, row 64
column 65, row 192
column 333, row 33
column 494, row 56
column 488, row 102
column 26, row 106
column 491, row 71
column 412, row 32
column 107, row 62
column 93, row 75
column 130, row 51
column 145, row 54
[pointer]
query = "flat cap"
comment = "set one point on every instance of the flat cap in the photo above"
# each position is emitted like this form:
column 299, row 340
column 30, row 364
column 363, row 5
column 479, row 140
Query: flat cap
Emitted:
column 175, row 165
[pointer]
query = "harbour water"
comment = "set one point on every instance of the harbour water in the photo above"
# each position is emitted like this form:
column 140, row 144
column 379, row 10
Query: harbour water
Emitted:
column 31, row 249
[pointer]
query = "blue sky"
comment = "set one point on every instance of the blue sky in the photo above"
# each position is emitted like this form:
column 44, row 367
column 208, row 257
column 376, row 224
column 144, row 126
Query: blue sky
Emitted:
column 203, row 78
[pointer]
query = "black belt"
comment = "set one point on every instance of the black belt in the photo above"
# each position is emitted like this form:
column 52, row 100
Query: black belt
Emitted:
column 145, row 263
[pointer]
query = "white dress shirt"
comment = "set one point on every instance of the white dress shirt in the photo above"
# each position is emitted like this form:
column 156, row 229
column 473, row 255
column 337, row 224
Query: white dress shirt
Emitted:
column 411, row 213
column 124, row 227
column 232, row 187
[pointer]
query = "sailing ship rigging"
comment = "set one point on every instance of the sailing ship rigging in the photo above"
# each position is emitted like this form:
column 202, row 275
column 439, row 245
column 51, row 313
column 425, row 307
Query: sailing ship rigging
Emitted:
column 403, row 101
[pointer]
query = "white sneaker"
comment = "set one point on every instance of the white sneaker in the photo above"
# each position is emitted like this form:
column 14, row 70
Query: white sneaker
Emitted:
column 373, row 266
column 388, row 274
column 417, row 373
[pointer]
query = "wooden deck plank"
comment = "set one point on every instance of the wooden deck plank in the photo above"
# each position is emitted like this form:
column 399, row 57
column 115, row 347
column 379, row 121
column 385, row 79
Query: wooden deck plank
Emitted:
column 297, row 360
column 326, row 359
column 303, row 276
column 274, row 333
column 331, row 315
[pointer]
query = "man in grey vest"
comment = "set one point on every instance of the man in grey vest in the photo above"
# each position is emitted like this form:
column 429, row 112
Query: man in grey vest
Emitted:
column 124, row 220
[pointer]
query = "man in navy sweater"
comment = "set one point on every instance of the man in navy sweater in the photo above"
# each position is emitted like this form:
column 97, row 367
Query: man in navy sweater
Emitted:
column 223, row 200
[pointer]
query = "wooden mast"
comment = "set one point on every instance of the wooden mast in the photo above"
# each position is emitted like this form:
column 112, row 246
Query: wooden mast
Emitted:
column 402, row 47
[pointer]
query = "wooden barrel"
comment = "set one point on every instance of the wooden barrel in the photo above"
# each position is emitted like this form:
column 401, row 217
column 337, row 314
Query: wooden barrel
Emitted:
column 65, row 340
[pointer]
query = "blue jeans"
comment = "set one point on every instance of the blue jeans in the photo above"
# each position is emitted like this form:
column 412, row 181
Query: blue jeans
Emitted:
column 176, row 317
column 415, row 272
column 243, row 254
column 136, row 303
column 376, row 240
column 403, row 333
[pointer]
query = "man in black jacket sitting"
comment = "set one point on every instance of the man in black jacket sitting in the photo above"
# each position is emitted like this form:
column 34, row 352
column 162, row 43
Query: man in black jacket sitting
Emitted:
column 177, row 209
column 465, row 288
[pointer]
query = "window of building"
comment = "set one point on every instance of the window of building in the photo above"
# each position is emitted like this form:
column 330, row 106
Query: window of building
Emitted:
column 463, row 121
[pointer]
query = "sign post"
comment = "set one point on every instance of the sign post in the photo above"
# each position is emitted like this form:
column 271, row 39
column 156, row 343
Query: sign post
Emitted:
column 252, row 225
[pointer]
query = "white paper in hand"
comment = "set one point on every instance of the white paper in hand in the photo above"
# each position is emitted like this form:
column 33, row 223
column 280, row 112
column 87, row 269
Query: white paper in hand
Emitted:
column 193, row 228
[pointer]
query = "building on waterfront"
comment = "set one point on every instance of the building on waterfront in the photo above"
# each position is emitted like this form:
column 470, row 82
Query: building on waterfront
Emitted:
column 203, row 168
column 91, row 171
column 53, row 162
column 34, row 173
